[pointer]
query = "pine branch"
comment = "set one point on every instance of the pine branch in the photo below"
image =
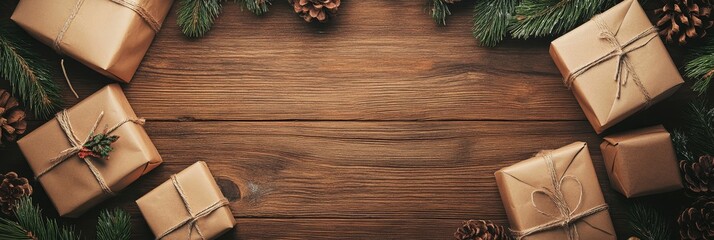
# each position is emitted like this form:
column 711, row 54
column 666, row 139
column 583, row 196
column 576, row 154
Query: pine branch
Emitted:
column 114, row 225
column 438, row 10
column 647, row 223
column 29, row 76
column 700, row 66
column 540, row 18
column 491, row 19
column 680, row 141
column 30, row 217
column 195, row 17
column 257, row 7
column 699, row 128
column 12, row 231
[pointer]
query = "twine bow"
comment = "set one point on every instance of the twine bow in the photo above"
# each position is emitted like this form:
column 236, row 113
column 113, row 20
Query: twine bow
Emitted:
column 192, row 220
column 76, row 146
column 619, row 52
column 566, row 217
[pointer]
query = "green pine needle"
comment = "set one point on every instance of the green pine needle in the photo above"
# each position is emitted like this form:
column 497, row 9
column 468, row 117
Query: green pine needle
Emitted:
column 698, row 130
column 29, row 75
column 540, row 18
column 12, row 231
column 647, row 223
column 491, row 19
column 30, row 217
column 114, row 225
column 700, row 66
column 438, row 10
column 257, row 7
column 195, row 17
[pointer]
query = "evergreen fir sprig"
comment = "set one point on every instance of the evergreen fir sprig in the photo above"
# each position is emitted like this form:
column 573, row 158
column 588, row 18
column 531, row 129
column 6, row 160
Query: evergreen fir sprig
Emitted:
column 491, row 19
column 257, row 7
column 524, row 19
column 114, row 225
column 540, row 18
column 195, row 17
column 647, row 223
column 30, row 217
column 439, row 10
column 696, row 136
column 699, row 66
column 29, row 75
column 31, row 224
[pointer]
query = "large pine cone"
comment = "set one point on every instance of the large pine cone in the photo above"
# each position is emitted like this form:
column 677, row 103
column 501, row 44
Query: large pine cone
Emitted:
column 12, row 189
column 481, row 230
column 697, row 221
column 12, row 118
column 321, row 10
column 699, row 175
column 683, row 20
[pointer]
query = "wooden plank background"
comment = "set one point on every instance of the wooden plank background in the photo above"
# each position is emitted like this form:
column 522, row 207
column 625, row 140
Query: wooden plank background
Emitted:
column 379, row 125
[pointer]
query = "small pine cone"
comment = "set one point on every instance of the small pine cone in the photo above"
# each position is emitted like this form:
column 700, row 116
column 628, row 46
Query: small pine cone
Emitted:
column 12, row 118
column 321, row 10
column 697, row 221
column 12, row 189
column 481, row 230
column 684, row 20
column 699, row 175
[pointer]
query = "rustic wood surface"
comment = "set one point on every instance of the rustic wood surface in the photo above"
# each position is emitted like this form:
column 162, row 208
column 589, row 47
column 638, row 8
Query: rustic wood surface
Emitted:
column 380, row 125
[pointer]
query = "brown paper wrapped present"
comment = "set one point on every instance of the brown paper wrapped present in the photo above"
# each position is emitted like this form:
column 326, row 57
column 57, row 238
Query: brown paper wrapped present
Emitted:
column 641, row 162
column 188, row 206
column 76, row 184
column 555, row 195
column 109, row 36
column 615, row 65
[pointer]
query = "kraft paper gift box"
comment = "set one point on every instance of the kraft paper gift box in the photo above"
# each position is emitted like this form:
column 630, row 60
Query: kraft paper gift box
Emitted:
column 615, row 64
column 188, row 206
column 641, row 162
column 77, row 184
column 109, row 36
column 555, row 195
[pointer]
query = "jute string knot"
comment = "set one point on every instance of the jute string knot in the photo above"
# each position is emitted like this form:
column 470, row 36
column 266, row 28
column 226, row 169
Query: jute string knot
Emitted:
column 619, row 52
column 192, row 220
column 566, row 218
column 77, row 145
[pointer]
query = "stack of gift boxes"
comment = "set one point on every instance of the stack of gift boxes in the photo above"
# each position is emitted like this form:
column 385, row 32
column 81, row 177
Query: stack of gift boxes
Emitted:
column 98, row 147
column 613, row 64
column 616, row 65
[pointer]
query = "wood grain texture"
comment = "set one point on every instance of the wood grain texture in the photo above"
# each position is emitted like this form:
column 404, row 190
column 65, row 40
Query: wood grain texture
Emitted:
column 379, row 125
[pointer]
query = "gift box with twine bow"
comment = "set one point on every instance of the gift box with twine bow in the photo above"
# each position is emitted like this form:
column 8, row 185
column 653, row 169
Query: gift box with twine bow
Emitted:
column 188, row 206
column 616, row 65
column 109, row 36
column 90, row 152
column 555, row 195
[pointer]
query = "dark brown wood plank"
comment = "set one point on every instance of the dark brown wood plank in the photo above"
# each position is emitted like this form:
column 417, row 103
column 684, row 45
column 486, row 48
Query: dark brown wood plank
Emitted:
column 378, row 60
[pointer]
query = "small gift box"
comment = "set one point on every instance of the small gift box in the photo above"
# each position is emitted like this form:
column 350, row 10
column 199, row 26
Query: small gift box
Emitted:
column 555, row 195
column 615, row 65
column 109, row 36
column 188, row 206
column 641, row 162
column 90, row 151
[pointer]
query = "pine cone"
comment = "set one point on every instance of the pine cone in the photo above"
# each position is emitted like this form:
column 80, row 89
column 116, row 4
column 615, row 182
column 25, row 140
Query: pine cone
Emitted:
column 699, row 175
column 697, row 221
column 12, row 189
column 481, row 230
column 683, row 20
column 321, row 10
column 12, row 118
